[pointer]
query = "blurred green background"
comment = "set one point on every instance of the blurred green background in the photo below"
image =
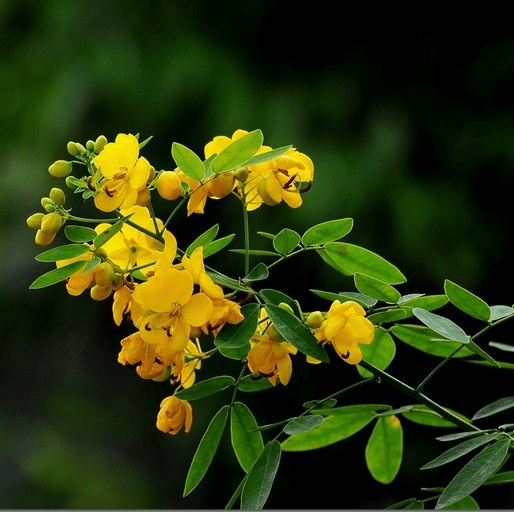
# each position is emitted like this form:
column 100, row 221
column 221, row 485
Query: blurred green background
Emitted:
column 408, row 119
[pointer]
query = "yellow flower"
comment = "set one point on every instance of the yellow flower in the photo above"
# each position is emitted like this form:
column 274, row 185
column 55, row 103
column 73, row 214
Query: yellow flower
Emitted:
column 173, row 415
column 123, row 305
column 186, row 363
column 278, row 180
column 124, row 173
column 130, row 247
column 345, row 327
column 271, row 359
column 171, row 307
column 223, row 310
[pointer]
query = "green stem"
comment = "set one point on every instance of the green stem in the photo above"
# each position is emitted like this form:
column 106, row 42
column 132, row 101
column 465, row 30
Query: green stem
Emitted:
column 420, row 397
column 246, row 233
column 438, row 367
column 94, row 221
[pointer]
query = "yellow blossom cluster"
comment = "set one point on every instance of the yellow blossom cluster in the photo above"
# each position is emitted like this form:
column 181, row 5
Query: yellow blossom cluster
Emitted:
column 166, row 293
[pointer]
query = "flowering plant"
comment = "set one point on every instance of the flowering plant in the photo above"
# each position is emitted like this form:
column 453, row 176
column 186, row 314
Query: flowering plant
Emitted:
column 186, row 315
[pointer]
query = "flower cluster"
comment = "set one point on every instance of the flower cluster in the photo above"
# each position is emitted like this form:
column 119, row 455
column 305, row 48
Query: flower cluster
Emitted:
column 168, row 294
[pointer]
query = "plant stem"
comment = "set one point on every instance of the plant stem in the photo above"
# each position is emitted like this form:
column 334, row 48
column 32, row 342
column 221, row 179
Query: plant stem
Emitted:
column 420, row 397
column 246, row 233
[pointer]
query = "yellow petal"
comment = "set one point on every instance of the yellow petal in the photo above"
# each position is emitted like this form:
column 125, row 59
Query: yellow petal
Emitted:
column 197, row 310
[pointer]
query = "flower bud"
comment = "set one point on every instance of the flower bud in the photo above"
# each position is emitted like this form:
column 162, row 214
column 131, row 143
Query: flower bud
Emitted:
column 45, row 201
column 70, row 184
column 242, row 174
column 51, row 223
column 143, row 197
column 44, row 237
column 104, row 274
column 98, row 292
column 101, row 253
column 90, row 145
column 286, row 307
column 165, row 375
column 60, row 169
column 117, row 282
column 57, row 196
column 100, row 142
column 271, row 332
column 34, row 221
column 314, row 320
column 168, row 185
column 75, row 148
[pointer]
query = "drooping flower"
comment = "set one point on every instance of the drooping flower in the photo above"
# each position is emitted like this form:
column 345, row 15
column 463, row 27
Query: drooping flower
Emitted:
column 78, row 282
column 271, row 359
column 344, row 327
column 124, row 173
column 223, row 310
column 171, row 308
column 277, row 180
column 174, row 414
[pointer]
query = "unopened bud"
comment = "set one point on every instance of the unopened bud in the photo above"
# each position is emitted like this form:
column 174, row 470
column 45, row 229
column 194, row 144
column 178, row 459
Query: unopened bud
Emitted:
column 90, row 145
column 44, row 237
column 314, row 320
column 286, row 307
column 34, row 221
column 100, row 142
column 57, row 196
column 242, row 174
column 271, row 332
column 117, row 282
column 51, row 222
column 104, row 274
column 60, row 169
column 101, row 253
column 70, row 184
column 98, row 292
column 143, row 197
column 75, row 148
column 165, row 375
column 168, row 185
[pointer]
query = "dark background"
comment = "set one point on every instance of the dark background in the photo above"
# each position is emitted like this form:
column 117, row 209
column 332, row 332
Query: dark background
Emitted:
column 407, row 115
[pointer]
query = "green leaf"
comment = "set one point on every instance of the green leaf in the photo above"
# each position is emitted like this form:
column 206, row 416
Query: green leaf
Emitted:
column 460, row 450
column 375, row 288
column 361, row 299
column 351, row 409
column 275, row 297
column 238, row 152
column 349, row 259
column 255, row 252
column 332, row 430
column 474, row 473
column 258, row 273
column 506, row 477
column 467, row 301
column 63, row 252
column 422, row 338
column 206, row 450
column 495, row 407
column 261, row 477
column 56, row 275
column 427, row 302
column 462, row 435
column 327, row 231
column 246, row 441
column 237, row 353
column 79, row 234
column 237, row 335
column 482, row 353
column 467, row 503
column 217, row 245
column 188, row 161
column 106, row 235
column 206, row 387
column 441, row 325
column 91, row 265
column 303, row 424
column 501, row 346
column 498, row 312
column 296, row 333
column 380, row 353
column 408, row 504
column 389, row 316
column 425, row 416
column 252, row 384
column 384, row 449
column 227, row 282
column 286, row 240
column 204, row 239
column 267, row 156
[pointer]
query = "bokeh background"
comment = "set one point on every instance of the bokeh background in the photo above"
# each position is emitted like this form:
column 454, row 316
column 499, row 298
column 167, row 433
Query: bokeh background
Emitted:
column 407, row 115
